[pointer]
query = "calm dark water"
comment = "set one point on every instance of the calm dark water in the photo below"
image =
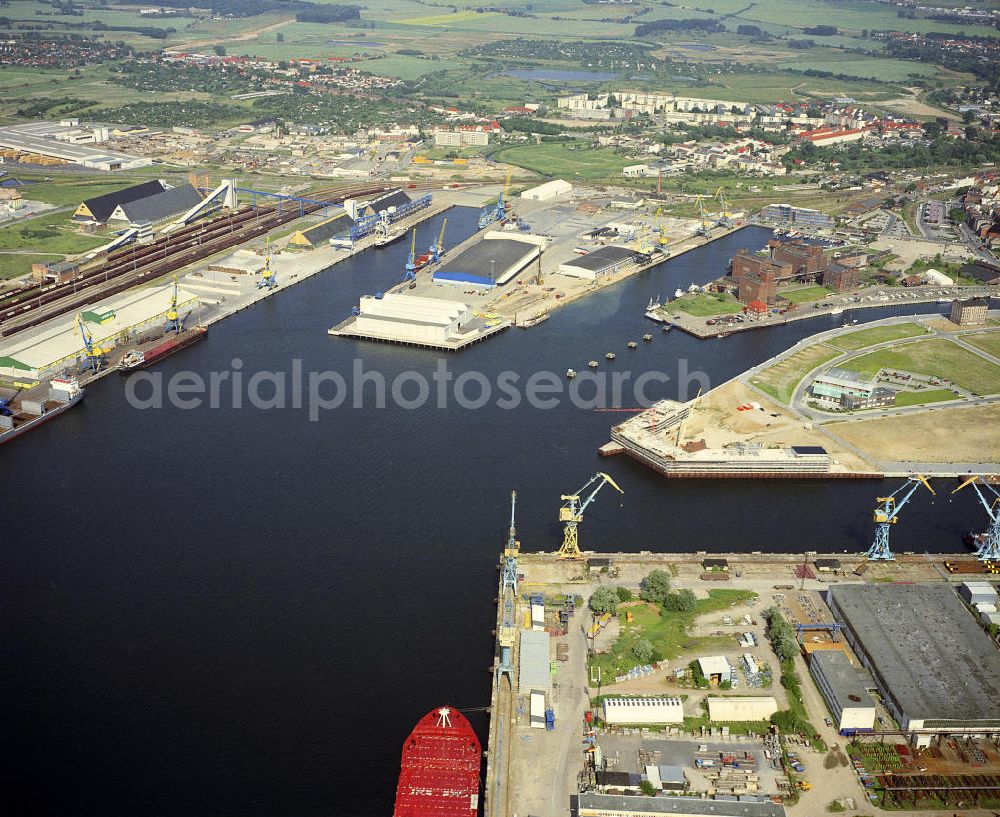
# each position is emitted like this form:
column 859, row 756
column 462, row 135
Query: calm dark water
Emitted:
column 241, row 612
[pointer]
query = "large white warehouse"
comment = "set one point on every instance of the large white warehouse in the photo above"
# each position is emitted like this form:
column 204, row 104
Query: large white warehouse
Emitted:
column 410, row 318
column 549, row 190
column 741, row 708
column 643, row 710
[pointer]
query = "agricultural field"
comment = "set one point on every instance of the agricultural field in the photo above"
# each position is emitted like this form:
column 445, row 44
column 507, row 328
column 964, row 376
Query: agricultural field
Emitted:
column 564, row 160
column 935, row 358
column 877, row 334
column 780, row 380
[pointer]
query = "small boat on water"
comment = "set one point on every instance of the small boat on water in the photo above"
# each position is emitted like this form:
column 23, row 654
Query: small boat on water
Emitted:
column 610, row 356
column 632, row 344
column 666, row 328
column 593, row 364
column 653, row 304
column 571, row 373
column 647, row 338
column 678, row 292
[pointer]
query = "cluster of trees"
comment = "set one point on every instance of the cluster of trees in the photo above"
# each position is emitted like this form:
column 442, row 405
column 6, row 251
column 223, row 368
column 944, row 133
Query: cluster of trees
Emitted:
column 164, row 76
column 191, row 114
column 976, row 149
column 598, row 53
column 781, row 635
column 655, row 588
column 969, row 60
column 328, row 13
column 531, row 126
column 686, row 24
column 821, row 31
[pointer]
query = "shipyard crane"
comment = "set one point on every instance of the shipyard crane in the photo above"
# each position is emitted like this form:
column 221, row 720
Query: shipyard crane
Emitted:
column 499, row 211
column 725, row 216
column 662, row 239
column 704, row 226
column 572, row 513
column 411, row 259
column 508, row 589
column 887, row 514
column 268, row 281
column 988, row 542
column 437, row 248
column 174, row 323
column 95, row 353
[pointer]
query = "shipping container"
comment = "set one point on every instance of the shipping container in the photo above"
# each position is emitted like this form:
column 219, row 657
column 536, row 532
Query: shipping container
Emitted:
column 538, row 710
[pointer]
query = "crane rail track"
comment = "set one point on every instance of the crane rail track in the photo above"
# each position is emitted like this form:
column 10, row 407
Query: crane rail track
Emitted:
column 124, row 268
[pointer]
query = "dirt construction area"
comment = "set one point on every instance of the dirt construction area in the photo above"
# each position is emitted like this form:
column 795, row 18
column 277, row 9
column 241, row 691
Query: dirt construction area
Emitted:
column 952, row 435
column 718, row 419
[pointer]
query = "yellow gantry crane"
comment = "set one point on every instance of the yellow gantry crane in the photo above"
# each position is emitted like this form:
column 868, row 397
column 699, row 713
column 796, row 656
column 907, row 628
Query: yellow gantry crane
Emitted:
column 173, row 316
column 571, row 514
column 662, row 240
column 95, row 353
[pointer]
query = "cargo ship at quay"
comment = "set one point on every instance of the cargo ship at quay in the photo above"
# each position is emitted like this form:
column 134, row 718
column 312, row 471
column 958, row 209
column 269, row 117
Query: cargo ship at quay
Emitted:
column 136, row 359
column 31, row 411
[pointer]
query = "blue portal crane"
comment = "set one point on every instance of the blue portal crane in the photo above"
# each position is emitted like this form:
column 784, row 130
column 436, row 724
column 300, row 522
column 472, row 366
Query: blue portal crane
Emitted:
column 988, row 543
column 411, row 259
column 174, row 323
column 508, row 591
column 499, row 211
column 437, row 248
column 887, row 514
column 268, row 276
column 95, row 354
column 572, row 514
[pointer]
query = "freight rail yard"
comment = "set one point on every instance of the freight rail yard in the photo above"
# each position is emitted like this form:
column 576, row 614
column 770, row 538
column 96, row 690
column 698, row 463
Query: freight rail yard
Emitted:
column 742, row 684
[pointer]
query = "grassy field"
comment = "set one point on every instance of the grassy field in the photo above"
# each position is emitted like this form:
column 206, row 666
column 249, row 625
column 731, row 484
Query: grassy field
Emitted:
column 780, row 380
column 667, row 632
column 936, row 358
column 49, row 233
column 565, row 160
column 863, row 338
column 70, row 192
column 16, row 265
column 805, row 294
column 702, row 306
column 920, row 398
column 989, row 342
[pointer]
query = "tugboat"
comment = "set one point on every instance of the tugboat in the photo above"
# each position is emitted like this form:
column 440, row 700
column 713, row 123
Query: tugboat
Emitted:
column 593, row 364
column 647, row 337
column 632, row 344
column 571, row 373
column 440, row 767
column 610, row 356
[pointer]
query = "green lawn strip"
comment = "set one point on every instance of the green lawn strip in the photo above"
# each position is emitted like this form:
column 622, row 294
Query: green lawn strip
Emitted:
column 702, row 306
column 806, row 294
column 989, row 342
column 877, row 334
column 935, row 358
column 667, row 632
column 781, row 379
column 920, row 398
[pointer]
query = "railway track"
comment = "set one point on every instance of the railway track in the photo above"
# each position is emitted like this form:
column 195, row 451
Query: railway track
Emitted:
column 127, row 267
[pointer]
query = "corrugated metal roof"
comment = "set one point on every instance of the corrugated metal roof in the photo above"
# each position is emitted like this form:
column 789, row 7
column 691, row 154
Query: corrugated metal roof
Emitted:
column 162, row 205
column 533, row 662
